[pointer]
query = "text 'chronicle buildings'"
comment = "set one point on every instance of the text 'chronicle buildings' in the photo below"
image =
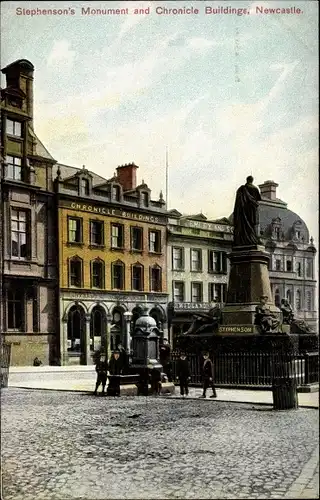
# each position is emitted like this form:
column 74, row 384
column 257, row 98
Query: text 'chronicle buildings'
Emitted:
column 112, row 258
column 198, row 268
column 28, row 258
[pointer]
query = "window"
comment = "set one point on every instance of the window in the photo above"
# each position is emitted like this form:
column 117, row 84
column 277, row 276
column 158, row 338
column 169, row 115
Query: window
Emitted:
column 278, row 264
column 217, row 262
column 96, row 233
column 289, row 265
column 178, row 291
column 74, row 230
column 15, row 309
column 277, row 300
column 137, row 277
column 196, row 292
column 155, row 279
column 14, row 168
column 298, row 235
column 178, row 258
column 97, row 274
column 309, row 273
column 155, row 241
column 196, row 261
column 117, row 274
column 14, row 128
column 117, row 233
column 298, row 300
column 277, row 233
column 299, row 269
column 288, row 296
column 85, row 187
column 115, row 193
column 136, row 238
column 75, row 272
column 145, row 198
column 309, row 300
column 20, row 234
column 217, row 292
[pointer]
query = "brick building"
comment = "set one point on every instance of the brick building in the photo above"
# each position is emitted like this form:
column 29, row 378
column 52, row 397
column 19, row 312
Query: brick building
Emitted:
column 112, row 258
column 28, row 257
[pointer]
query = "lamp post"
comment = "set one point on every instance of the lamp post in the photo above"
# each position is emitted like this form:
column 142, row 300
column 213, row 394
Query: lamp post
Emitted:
column 127, row 316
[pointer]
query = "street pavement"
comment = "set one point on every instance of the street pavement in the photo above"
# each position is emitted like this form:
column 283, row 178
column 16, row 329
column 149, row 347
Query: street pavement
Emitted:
column 82, row 379
column 59, row 445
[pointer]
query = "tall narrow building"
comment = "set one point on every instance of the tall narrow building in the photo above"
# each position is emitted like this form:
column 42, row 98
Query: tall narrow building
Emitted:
column 28, row 312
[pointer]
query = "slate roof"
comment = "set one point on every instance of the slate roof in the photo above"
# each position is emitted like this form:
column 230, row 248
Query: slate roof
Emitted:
column 67, row 171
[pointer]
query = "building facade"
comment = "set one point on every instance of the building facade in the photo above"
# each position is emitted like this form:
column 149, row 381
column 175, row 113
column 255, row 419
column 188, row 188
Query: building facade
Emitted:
column 112, row 258
column 292, row 255
column 28, row 308
column 198, row 267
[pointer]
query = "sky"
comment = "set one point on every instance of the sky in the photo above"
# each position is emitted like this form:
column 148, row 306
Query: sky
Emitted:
column 228, row 95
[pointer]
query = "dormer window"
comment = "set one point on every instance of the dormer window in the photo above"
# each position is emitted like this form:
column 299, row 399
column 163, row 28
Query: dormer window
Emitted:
column 115, row 192
column 276, row 229
column 14, row 128
column 85, row 187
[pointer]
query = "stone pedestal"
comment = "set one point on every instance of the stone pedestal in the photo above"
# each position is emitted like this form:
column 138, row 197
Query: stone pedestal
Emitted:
column 248, row 281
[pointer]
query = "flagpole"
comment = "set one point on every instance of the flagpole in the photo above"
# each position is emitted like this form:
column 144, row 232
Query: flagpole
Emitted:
column 167, row 178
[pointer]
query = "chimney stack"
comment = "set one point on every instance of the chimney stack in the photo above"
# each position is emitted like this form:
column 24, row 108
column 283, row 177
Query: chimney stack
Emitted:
column 269, row 190
column 127, row 176
column 19, row 75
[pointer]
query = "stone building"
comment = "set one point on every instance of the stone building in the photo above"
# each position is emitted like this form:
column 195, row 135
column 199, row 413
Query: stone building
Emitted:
column 292, row 263
column 28, row 255
column 112, row 258
column 198, row 266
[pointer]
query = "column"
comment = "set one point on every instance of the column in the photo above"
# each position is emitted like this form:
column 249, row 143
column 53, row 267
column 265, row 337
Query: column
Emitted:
column 87, row 354
column 64, row 343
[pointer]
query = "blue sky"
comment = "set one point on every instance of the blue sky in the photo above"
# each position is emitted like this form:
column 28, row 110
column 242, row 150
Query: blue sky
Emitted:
column 115, row 89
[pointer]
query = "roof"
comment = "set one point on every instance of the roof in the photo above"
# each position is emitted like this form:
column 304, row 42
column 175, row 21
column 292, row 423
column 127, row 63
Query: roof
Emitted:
column 67, row 172
column 268, row 212
column 40, row 149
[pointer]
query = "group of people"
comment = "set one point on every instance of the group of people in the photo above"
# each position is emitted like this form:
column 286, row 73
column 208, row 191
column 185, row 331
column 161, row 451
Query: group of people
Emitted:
column 184, row 375
column 114, row 366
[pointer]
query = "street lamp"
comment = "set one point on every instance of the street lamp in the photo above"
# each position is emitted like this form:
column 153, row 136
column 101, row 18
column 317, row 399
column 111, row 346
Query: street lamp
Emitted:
column 127, row 316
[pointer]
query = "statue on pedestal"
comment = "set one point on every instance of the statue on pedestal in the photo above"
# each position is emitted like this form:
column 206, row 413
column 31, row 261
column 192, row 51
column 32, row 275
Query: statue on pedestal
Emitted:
column 264, row 318
column 205, row 322
column 245, row 214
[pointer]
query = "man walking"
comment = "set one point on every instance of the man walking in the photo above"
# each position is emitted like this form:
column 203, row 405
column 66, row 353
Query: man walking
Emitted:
column 101, row 369
column 208, row 376
column 183, row 373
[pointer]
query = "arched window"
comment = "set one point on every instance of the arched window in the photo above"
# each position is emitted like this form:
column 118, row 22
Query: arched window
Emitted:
column 137, row 277
column 76, row 329
column 298, row 300
column 309, row 300
column 117, row 275
column 97, row 327
column 289, row 296
column 75, row 272
column 277, row 300
column 155, row 279
column 97, row 273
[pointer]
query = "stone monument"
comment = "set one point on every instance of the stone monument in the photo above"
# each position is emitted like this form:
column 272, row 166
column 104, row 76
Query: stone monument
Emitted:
column 249, row 283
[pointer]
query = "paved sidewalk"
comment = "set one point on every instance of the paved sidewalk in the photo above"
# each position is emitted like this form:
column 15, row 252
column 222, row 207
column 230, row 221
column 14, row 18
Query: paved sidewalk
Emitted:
column 83, row 380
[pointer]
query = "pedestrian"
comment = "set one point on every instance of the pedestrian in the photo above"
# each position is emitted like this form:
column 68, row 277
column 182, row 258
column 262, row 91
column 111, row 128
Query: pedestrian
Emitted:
column 155, row 380
column 183, row 374
column 37, row 361
column 208, row 376
column 102, row 371
column 165, row 358
column 115, row 370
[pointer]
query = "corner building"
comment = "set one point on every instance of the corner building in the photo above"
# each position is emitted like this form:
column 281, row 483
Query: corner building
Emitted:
column 112, row 256
column 29, row 293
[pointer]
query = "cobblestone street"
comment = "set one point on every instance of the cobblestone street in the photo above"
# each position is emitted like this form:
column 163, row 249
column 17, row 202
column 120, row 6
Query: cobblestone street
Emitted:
column 59, row 445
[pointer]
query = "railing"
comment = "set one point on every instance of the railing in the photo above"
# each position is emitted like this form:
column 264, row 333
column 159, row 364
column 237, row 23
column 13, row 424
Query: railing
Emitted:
column 254, row 368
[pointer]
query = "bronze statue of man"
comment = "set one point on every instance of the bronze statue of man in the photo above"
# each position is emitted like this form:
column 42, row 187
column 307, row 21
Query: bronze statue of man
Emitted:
column 245, row 217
